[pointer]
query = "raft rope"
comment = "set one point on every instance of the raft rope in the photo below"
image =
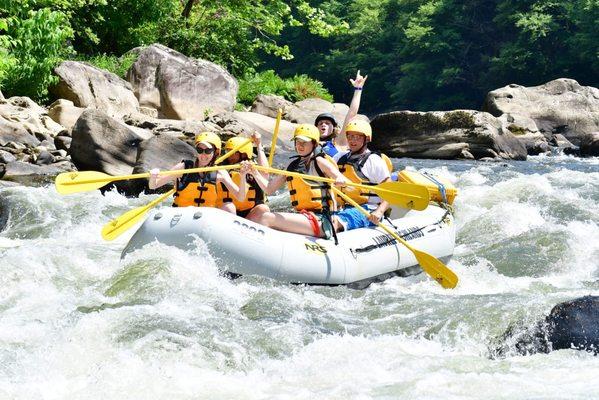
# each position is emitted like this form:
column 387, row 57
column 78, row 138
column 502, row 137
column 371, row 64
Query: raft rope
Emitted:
column 391, row 239
column 440, row 186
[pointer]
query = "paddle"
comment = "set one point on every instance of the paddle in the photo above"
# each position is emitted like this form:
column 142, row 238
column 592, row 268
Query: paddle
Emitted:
column 119, row 225
column 432, row 266
column 273, row 143
column 403, row 194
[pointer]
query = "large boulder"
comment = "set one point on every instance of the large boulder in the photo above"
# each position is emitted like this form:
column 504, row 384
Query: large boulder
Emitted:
column 180, row 87
column 269, row 105
column 589, row 144
column 306, row 111
column 561, row 106
column 444, row 135
column 90, row 87
column 159, row 152
column 101, row 143
column 570, row 325
column 15, row 133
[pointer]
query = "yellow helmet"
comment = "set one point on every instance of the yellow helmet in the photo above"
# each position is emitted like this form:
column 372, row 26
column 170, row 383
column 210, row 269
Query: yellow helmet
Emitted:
column 306, row 132
column 359, row 126
column 236, row 141
column 208, row 138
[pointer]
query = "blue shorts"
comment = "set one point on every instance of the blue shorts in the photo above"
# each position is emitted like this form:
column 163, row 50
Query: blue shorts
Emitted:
column 352, row 218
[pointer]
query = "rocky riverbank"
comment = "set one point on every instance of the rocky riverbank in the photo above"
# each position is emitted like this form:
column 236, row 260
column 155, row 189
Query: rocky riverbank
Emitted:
column 105, row 123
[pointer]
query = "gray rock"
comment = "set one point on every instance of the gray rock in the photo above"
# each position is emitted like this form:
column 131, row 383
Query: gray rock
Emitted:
column 306, row 111
column 561, row 106
column 101, row 143
column 159, row 152
column 90, row 87
column 269, row 105
column 13, row 132
column 6, row 157
column 171, row 127
column 65, row 113
column 589, row 145
column 444, row 135
column 31, row 174
column 63, row 142
column 180, row 87
column 44, row 158
column 30, row 117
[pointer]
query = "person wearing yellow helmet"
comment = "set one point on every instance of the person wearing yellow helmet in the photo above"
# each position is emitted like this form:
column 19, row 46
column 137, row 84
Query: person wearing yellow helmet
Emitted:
column 360, row 165
column 332, row 138
column 252, row 206
column 312, row 199
column 202, row 189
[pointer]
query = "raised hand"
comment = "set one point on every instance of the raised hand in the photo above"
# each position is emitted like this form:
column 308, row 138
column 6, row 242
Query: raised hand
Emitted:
column 359, row 82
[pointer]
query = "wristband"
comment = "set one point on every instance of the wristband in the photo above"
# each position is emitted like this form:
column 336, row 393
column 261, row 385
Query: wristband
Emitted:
column 357, row 88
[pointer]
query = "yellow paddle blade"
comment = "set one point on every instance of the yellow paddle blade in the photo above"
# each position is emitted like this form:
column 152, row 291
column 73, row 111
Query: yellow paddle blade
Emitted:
column 436, row 269
column 119, row 225
column 82, row 181
column 432, row 266
column 406, row 195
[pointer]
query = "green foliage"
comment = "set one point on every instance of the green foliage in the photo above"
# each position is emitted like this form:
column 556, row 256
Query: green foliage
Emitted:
column 293, row 89
column 34, row 42
column 117, row 65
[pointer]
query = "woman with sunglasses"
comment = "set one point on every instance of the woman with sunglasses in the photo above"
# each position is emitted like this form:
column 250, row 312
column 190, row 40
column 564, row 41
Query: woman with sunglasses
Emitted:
column 203, row 189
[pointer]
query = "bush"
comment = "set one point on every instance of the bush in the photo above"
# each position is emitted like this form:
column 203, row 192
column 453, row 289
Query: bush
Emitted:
column 268, row 82
column 117, row 65
column 35, row 44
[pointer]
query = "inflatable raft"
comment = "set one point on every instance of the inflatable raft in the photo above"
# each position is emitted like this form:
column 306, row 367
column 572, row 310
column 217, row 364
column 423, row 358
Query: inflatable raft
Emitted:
column 361, row 257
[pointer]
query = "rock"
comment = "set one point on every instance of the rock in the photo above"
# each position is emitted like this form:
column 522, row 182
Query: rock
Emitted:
column 570, row 325
column 180, row 87
column 44, row 158
column 306, row 111
column 559, row 106
column 63, row 142
column 245, row 123
column 445, row 135
column 13, row 132
column 31, row 174
column 171, row 127
column 269, row 104
column 526, row 131
column 101, row 143
column 589, row 145
column 65, row 113
column 6, row 157
column 1, row 95
column 90, row 87
column 159, row 152
column 564, row 144
column 150, row 112
column 32, row 118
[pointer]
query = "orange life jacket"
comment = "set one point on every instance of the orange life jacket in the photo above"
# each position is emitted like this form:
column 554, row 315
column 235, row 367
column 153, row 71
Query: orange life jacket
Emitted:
column 254, row 196
column 305, row 194
column 350, row 166
column 199, row 190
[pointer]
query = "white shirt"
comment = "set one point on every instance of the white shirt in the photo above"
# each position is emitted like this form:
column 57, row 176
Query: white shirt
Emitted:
column 375, row 169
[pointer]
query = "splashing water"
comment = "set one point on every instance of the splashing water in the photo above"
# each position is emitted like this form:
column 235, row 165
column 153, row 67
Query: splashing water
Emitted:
column 76, row 322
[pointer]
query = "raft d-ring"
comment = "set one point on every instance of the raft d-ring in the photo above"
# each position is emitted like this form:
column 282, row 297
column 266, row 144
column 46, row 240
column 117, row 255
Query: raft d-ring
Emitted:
column 197, row 215
column 157, row 216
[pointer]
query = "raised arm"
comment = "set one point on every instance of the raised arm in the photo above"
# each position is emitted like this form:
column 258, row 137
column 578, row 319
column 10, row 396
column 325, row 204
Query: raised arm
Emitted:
column 262, row 159
column 155, row 181
column 268, row 187
column 354, row 106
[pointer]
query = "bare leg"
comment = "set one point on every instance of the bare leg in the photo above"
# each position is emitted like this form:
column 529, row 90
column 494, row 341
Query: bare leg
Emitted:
column 288, row 222
column 256, row 212
column 229, row 207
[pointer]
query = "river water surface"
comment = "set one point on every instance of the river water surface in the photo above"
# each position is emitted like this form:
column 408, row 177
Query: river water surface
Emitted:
column 76, row 322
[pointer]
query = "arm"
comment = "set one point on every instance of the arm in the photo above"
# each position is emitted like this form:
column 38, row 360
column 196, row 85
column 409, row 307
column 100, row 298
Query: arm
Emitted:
column 238, row 191
column 268, row 187
column 331, row 171
column 358, row 84
column 155, row 181
column 262, row 159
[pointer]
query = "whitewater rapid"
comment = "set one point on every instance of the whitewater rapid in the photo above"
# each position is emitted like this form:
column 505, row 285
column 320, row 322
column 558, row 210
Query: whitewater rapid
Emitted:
column 76, row 322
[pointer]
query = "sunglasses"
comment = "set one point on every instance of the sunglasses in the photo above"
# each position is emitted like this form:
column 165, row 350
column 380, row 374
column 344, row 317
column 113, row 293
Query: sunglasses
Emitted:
column 205, row 151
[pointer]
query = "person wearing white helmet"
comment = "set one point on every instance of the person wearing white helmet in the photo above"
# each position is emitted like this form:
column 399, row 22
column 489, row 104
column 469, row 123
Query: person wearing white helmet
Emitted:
column 202, row 189
column 360, row 165
column 331, row 137
column 313, row 200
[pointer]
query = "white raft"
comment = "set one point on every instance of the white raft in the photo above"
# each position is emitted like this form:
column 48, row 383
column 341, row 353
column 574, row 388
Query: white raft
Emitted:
column 242, row 247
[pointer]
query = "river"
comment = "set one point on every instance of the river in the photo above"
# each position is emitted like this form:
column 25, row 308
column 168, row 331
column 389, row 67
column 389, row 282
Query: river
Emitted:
column 76, row 322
